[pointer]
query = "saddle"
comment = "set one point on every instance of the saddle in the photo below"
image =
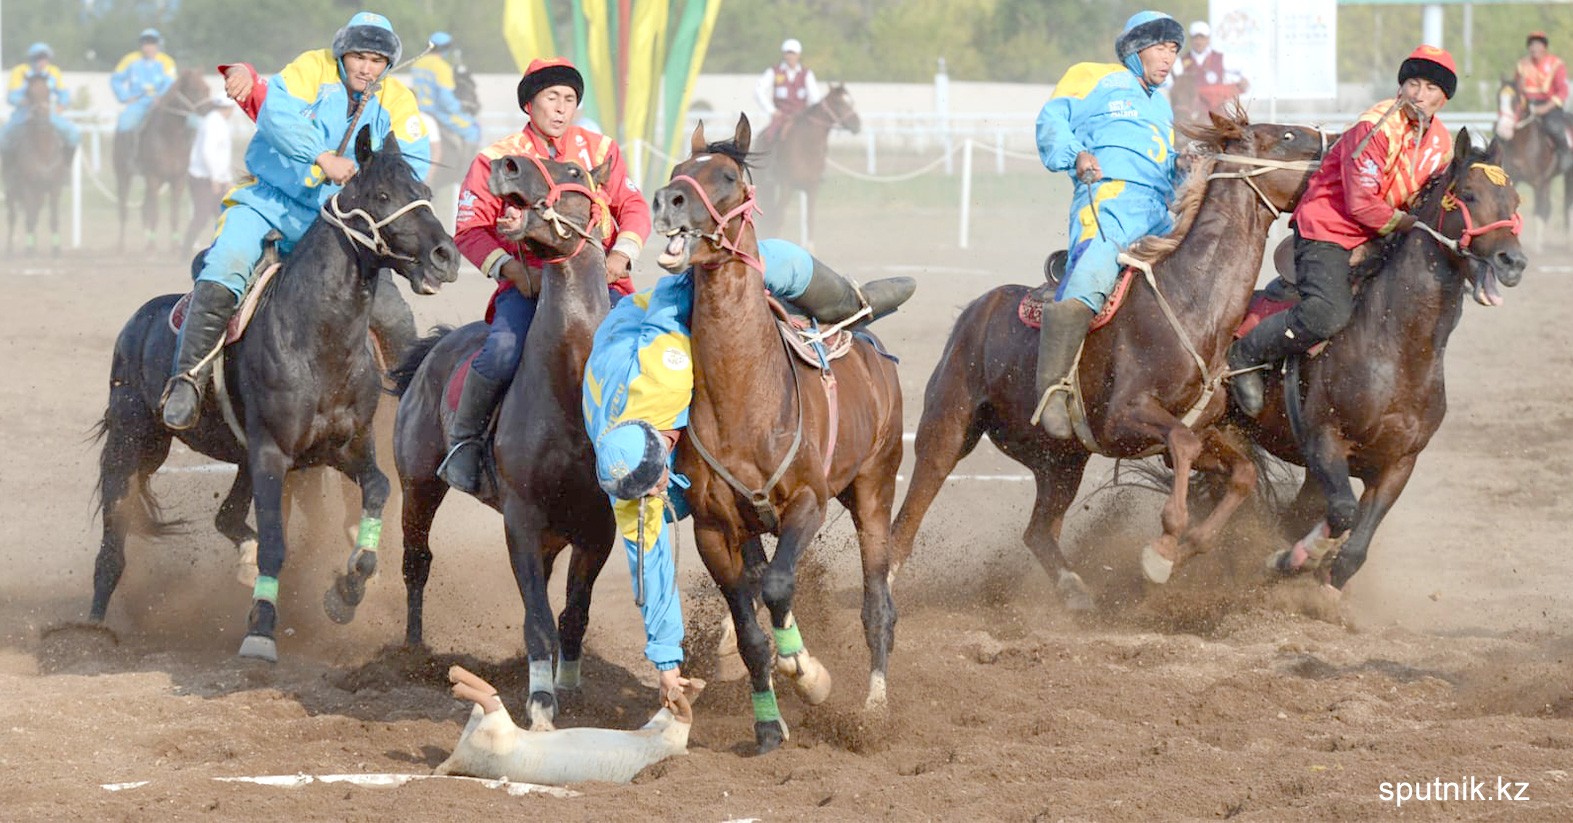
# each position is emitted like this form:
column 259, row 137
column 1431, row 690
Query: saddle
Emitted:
column 1030, row 310
column 803, row 338
column 262, row 276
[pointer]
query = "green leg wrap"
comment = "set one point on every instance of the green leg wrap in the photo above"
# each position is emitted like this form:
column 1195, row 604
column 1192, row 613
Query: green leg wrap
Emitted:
column 267, row 588
column 789, row 641
column 765, row 708
column 370, row 535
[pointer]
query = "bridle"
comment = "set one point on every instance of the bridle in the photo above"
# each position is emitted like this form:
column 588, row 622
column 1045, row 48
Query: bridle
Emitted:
column 833, row 118
column 374, row 241
column 546, row 209
column 1264, row 166
column 747, row 209
column 1450, row 202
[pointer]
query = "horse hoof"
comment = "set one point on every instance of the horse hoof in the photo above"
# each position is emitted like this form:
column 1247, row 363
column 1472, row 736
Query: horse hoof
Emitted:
column 810, row 678
column 542, row 710
column 770, row 734
column 568, row 674
column 1155, row 567
column 1073, row 591
column 1281, row 562
column 337, row 605
column 256, row 647
column 878, row 701
column 246, row 563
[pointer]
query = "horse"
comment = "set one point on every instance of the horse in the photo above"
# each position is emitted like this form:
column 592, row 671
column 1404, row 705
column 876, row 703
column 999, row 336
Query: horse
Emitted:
column 1158, row 360
column 303, row 385
column 749, row 476
column 159, row 150
column 547, row 490
column 797, row 158
column 1530, row 156
column 1368, row 404
column 35, row 167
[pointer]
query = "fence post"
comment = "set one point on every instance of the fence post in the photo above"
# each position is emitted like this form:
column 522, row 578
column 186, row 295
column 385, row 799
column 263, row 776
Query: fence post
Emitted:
column 966, row 189
column 802, row 218
column 999, row 151
column 76, row 200
column 872, row 164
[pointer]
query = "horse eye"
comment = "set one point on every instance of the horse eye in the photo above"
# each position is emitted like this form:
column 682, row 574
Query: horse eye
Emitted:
column 730, row 177
column 1288, row 136
column 382, row 196
column 573, row 172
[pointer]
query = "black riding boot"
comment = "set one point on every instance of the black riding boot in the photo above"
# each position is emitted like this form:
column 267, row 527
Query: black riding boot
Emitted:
column 1064, row 328
column 212, row 304
column 831, row 298
column 1268, row 343
column 462, row 468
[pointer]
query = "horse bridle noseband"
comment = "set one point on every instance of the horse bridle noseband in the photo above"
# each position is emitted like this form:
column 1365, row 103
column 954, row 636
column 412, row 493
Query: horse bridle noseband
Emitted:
column 373, row 241
column 1264, row 166
column 1450, row 202
column 546, row 209
column 748, row 208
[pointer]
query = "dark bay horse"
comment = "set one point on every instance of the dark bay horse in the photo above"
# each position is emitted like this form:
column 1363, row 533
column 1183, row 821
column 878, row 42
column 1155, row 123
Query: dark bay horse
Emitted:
column 303, row 382
column 772, row 457
column 1530, row 157
column 1137, row 379
column 35, row 168
column 796, row 162
column 159, row 150
column 1368, row 404
column 545, row 462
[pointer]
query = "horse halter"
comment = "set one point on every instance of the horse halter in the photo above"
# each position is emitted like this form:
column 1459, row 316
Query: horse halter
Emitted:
column 546, row 209
column 1514, row 224
column 718, row 238
column 373, row 241
column 835, row 120
column 1264, row 166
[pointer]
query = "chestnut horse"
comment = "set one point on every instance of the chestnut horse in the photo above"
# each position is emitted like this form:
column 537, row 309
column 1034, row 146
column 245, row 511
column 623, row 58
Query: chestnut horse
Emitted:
column 764, row 448
column 1530, row 157
column 797, row 160
column 1374, row 397
column 160, row 151
column 1139, row 374
column 549, row 496
column 35, row 167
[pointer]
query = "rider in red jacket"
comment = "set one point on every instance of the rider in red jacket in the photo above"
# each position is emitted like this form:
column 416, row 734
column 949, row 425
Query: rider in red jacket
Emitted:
column 549, row 93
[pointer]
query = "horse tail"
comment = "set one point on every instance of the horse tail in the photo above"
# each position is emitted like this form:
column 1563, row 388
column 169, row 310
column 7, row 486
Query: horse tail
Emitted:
column 403, row 374
column 148, row 519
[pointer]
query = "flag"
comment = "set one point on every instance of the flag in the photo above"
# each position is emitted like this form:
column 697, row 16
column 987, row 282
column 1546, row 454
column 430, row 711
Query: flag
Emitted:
column 528, row 31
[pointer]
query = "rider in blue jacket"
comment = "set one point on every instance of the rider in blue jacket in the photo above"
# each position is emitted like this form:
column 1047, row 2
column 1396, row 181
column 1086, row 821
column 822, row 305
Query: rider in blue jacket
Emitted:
column 432, row 80
column 1107, row 125
column 294, row 159
column 140, row 78
column 38, row 64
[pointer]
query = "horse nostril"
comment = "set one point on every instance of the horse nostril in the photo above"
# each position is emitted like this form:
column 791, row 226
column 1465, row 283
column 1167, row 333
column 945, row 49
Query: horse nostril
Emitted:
column 510, row 166
column 443, row 255
column 677, row 201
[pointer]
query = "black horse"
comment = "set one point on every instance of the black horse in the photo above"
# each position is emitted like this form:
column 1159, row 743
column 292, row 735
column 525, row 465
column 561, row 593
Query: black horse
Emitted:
column 303, row 384
column 35, row 167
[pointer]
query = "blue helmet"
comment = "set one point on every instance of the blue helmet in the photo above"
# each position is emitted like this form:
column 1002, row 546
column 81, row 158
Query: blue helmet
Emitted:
column 369, row 33
column 441, row 41
column 1146, row 28
column 151, row 36
column 629, row 459
column 40, row 51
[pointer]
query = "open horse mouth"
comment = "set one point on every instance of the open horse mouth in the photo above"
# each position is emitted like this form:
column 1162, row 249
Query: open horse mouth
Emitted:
column 1486, row 291
column 679, row 249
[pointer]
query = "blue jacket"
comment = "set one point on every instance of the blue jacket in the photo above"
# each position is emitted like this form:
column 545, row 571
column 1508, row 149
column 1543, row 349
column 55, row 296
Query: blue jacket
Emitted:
column 1104, row 108
column 16, row 89
column 139, row 78
column 307, row 112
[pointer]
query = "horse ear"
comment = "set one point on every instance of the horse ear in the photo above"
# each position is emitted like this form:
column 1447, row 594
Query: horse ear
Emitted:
column 390, row 145
column 1461, row 149
column 1494, row 151
column 363, row 150
column 696, row 144
column 744, row 134
column 599, row 174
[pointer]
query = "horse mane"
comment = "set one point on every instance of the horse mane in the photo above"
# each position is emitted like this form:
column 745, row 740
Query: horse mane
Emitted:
column 1188, row 200
column 729, row 148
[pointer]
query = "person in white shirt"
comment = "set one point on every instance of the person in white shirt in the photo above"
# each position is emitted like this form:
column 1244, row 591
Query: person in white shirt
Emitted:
column 211, row 170
column 1203, row 79
column 785, row 90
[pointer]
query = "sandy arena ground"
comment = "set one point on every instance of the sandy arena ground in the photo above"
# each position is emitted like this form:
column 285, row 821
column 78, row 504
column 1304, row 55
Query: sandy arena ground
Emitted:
column 1224, row 695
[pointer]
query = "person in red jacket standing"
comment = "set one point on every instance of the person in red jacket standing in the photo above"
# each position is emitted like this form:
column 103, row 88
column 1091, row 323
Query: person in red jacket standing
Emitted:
column 1365, row 183
column 549, row 93
column 1543, row 78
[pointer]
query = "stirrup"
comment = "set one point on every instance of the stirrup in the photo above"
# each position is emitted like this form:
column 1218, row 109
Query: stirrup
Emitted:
column 169, row 387
column 1048, row 394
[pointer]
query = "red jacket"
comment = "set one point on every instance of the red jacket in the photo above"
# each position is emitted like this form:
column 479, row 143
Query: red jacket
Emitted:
column 1353, row 199
column 624, row 229
column 1543, row 81
column 259, row 89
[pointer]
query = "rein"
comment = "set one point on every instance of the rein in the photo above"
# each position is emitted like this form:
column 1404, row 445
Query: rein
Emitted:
column 1263, row 166
column 373, row 241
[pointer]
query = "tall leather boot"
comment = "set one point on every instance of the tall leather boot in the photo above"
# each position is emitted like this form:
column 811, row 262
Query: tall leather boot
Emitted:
column 212, row 304
column 1065, row 325
column 831, row 298
column 462, row 468
column 1268, row 343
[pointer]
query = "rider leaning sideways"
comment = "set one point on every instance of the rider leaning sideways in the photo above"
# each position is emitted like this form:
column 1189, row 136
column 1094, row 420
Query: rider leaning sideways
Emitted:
column 296, row 164
column 549, row 94
column 1108, row 126
column 1360, row 193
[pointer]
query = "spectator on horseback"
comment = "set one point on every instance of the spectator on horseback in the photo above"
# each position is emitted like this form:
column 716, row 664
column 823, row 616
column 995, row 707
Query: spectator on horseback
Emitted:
column 39, row 57
column 140, row 78
column 638, row 385
column 1360, row 193
column 297, row 159
column 1543, row 78
column 431, row 78
column 1106, row 125
column 549, row 95
column 784, row 91
column 1203, row 80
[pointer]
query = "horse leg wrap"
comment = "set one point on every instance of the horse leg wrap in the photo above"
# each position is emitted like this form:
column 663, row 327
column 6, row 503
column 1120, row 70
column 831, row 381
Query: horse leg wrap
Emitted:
column 567, row 674
column 789, row 641
column 765, row 708
column 369, row 537
column 541, row 678
column 266, row 588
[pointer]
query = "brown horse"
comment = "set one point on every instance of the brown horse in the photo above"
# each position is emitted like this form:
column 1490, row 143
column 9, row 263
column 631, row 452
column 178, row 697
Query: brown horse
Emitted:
column 1530, row 157
column 1139, row 374
column 548, row 492
column 797, row 160
column 762, row 447
column 1367, row 405
column 35, row 167
column 160, row 151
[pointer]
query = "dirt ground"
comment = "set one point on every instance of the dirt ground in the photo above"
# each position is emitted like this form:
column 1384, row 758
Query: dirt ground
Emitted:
column 1225, row 694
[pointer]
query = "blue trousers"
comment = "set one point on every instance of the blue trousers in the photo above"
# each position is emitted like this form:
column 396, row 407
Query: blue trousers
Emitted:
column 131, row 117
column 68, row 130
column 512, row 314
column 1106, row 218
column 237, row 246
column 663, row 604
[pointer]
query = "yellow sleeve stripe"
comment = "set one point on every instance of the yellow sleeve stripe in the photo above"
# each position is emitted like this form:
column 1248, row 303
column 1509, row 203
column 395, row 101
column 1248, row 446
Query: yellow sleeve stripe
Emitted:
column 627, row 512
column 664, row 386
column 303, row 77
column 1082, row 78
column 127, row 60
